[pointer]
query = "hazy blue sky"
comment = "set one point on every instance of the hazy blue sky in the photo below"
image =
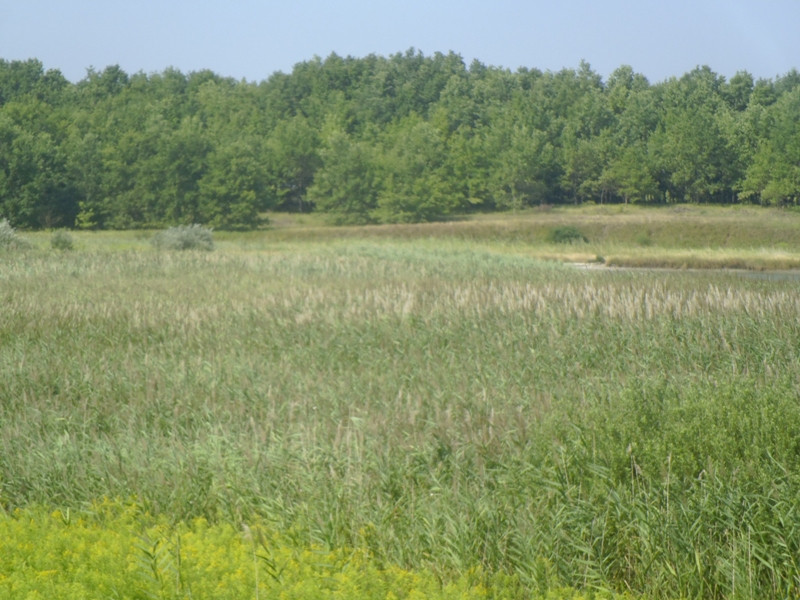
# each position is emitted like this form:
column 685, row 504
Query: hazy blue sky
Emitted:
column 252, row 39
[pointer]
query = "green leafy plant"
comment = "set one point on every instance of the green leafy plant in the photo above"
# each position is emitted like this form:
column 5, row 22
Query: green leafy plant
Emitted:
column 185, row 237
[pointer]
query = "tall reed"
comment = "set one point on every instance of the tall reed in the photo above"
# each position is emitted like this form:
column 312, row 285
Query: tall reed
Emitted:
column 439, row 408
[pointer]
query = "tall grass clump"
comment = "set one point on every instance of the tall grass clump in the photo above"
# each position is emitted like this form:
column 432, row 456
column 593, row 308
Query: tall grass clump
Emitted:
column 440, row 409
column 9, row 239
column 185, row 237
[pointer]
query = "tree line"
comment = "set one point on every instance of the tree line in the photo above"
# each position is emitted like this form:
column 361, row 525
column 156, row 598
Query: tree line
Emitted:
column 377, row 139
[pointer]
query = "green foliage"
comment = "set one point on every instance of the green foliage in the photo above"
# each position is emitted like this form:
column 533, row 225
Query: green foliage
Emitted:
column 35, row 189
column 381, row 139
column 416, row 185
column 230, row 192
column 292, row 161
column 185, row 237
column 345, row 187
column 565, row 234
column 773, row 177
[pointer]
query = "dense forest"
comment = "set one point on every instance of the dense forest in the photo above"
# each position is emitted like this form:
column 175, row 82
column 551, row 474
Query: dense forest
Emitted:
column 379, row 139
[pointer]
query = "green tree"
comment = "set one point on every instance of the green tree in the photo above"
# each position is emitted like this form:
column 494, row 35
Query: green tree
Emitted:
column 292, row 158
column 399, row 138
column 100, row 86
column 87, row 172
column 35, row 189
column 345, row 186
column 526, row 170
column 773, row 177
column 628, row 175
column 417, row 184
column 690, row 147
column 738, row 91
column 230, row 190
column 583, row 159
column 27, row 79
column 179, row 165
column 152, row 174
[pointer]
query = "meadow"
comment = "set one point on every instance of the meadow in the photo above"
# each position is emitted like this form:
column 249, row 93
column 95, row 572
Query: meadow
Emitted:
column 404, row 412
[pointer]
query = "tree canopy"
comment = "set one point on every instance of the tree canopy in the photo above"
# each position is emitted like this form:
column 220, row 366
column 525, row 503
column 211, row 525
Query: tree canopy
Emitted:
column 401, row 138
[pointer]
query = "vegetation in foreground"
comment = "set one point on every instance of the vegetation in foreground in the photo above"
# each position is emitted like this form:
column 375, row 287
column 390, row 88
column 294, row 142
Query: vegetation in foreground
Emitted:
column 451, row 413
column 115, row 550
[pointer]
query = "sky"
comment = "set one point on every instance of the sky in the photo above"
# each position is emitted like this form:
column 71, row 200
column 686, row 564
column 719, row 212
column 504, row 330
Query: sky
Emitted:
column 250, row 39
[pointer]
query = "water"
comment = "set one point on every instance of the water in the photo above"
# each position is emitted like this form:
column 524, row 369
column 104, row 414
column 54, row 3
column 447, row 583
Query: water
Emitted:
column 791, row 275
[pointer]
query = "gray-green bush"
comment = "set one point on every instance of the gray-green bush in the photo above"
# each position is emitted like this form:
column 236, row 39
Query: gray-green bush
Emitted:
column 62, row 240
column 9, row 239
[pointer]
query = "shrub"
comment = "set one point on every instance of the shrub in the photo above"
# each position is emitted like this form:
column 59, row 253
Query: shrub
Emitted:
column 185, row 237
column 565, row 234
column 9, row 239
column 62, row 240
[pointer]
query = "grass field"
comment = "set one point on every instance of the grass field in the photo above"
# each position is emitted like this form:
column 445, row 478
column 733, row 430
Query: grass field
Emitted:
column 619, row 235
column 449, row 409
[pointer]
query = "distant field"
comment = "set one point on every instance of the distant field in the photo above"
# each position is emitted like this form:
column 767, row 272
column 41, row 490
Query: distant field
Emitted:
column 449, row 404
column 680, row 236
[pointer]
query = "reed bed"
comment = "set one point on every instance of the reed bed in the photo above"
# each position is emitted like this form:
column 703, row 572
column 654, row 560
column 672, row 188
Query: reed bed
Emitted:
column 437, row 407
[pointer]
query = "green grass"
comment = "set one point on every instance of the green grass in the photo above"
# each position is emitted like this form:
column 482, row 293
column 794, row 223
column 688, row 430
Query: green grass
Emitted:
column 681, row 236
column 442, row 402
